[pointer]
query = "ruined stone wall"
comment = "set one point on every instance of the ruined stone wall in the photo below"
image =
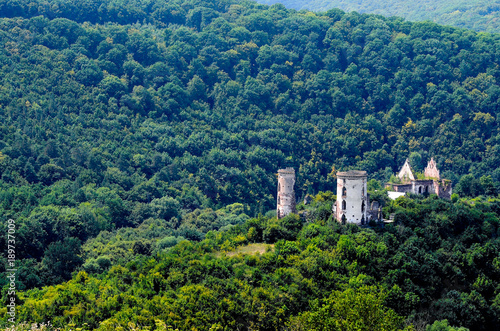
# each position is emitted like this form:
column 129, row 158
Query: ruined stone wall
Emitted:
column 423, row 186
column 404, row 188
column 430, row 185
column 443, row 189
column 286, row 194
column 431, row 171
column 374, row 213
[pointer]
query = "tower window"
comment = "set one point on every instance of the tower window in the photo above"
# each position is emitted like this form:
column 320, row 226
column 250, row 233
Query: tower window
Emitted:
column 344, row 205
column 279, row 187
column 363, row 207
column 420, row 189
column 344, row 191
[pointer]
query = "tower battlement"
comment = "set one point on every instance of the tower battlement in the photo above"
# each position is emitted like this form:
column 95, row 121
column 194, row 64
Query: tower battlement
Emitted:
column 288, row 170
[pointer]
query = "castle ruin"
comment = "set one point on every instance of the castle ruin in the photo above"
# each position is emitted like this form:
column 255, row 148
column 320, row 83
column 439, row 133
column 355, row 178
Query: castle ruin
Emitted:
column 286, row 194
column 430, row 183
column 353, row 202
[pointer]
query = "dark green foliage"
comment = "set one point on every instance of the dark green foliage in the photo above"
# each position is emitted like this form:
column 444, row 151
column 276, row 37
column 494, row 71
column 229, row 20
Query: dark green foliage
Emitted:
column 155, row 108
column 61, row 258
column 472, row 187
column 285, row 228
column 50, row 173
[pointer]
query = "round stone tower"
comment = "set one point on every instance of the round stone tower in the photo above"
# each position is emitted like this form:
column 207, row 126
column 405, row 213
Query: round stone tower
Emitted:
column 286, row 193
column 352, row 197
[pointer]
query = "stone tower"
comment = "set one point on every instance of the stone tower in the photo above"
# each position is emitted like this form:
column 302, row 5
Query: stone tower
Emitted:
column 286, row 193
column 352, row 197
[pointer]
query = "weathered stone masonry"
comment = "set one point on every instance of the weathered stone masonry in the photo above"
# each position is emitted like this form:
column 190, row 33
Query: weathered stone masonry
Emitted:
column 432, row 183
column 352, row 197
column 286, row 194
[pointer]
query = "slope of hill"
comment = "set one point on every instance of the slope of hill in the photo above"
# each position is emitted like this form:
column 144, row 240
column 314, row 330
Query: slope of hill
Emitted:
column 440, row 262
column 479, row 15
column 172, row 117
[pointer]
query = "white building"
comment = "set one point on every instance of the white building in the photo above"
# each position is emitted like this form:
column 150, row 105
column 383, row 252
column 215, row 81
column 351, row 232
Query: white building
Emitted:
column 352, row 197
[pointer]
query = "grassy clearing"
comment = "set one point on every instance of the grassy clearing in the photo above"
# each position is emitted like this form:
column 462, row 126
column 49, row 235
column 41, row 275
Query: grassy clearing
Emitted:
column 250, row 249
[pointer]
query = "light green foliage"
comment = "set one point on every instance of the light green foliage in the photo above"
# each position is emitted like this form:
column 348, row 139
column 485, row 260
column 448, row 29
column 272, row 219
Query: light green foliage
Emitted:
column 167, row 242
column 479, row 15
column 374, row 185
column 395, row 180
column 324, row 196
column 353, row 309
column 155, row 235
column 443, row 326
column 117, row 246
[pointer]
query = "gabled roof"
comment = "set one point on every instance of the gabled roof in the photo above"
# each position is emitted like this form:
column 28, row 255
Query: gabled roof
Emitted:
column 405, row 174
column 431, row 171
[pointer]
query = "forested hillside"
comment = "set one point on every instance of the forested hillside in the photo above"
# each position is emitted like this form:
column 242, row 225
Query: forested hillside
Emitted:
column 479, row 15
column 440, row 262
column 128, row 126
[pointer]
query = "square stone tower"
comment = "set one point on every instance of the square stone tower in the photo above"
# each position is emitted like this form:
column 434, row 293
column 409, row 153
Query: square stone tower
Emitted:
column 286, row 193
column 352, row 197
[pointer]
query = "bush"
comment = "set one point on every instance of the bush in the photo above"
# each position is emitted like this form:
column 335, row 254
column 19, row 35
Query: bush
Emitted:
column 168, row 242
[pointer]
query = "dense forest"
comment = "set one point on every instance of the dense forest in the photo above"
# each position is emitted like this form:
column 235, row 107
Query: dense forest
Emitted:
column 479, row 15
column 127, row 127
column 438, row 264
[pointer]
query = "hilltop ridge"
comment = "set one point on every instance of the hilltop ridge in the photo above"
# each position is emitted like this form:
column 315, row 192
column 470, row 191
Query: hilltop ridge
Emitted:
column 479, row 15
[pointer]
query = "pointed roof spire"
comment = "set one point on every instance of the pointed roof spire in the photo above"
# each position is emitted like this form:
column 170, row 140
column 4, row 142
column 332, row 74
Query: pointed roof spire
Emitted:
column 405, row 174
